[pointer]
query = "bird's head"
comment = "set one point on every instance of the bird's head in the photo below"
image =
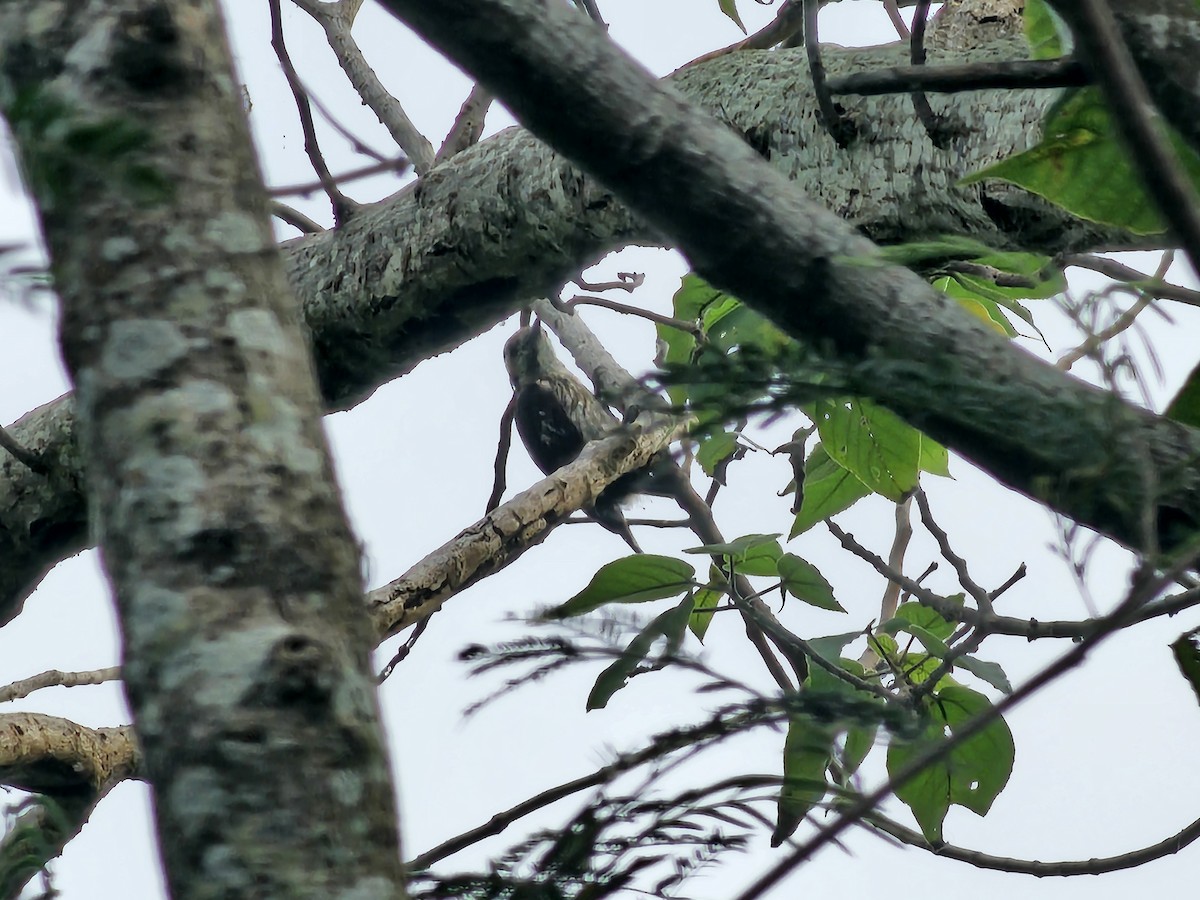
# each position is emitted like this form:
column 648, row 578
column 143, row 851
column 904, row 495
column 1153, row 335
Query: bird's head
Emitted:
column 528, row 356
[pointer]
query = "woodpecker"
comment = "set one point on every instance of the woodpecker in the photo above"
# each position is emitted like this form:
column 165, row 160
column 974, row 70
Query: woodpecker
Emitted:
column 556, row 416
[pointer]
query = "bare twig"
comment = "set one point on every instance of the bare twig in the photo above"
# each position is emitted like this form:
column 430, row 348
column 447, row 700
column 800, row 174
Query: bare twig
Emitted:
column 1093, row 866
column 626, row 281
column 295, row 218
column 398, row 165
column 503, row 445
column 839, row 127
column 1022, row 74
column 788, row 22
column 898, row 22
column 1140, row 280
column 337, row 20
column 468, row 124
column 937, row 127
column 57, row 678
column 586, row 300
column 982, row 598
column 343, row 206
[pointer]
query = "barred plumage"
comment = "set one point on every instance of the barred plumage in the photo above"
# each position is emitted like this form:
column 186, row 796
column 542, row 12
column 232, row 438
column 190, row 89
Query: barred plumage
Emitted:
column 556, row 416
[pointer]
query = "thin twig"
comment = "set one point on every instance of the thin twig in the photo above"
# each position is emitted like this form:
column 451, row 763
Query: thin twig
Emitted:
column 898, row 22
column 626, row 281
column 658, row 318
column 343, row 206
column 398, row 165
column 295, row 218
column 1093, row 866
column 936, row 126
column 337, row 21
column 468, row 124
column 1017, row 75
column 503, row 445
column 838, row 127
column 56, row 678
column 1139, row 280
column 982, row 598
column 788, row 22
column 404, row 649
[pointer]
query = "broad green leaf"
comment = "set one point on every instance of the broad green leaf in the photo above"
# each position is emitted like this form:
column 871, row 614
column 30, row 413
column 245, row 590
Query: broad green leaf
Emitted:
column 737, row 325
column 807, row 751
column 669, row 625
column 859, row 741
column 915, row 613
column 828, row 490
column 990, row 672
column 729, row 7
column 802, row 580
column 1082, row 166
column 1045, row 31
column 883, row 451
column 935, row 459
column 987, row 310
column 1185, row 407
column 704, row 601
column 971, row 775
column 633, row 579
column 715, row 448
column 1186, row 649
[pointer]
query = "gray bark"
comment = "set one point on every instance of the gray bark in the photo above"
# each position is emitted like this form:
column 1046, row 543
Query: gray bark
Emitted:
column 210, row 488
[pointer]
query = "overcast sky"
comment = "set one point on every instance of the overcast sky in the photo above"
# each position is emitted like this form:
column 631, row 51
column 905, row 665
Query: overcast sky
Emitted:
column 1106, row 759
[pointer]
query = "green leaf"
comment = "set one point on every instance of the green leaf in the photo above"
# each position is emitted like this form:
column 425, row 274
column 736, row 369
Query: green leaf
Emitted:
column 670, row 625
column 912, row 612
column 882, row 451
column 736, row 549
column 715, row 448
column 990, row 672
column 633, row 579
column 1082, row 166
column 802, row 580
column 1045, row 31
column 859, row 741
column 807, row 751
column 935, row 459
column 1186, row 649
column 971, row 775
column 705, row 599
column 828, row 490
column 1185, row 407
column 729, row 7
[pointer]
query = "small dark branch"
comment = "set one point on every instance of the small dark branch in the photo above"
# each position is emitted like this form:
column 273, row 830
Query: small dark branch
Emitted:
column 1009, row 582
column 1054, row 73
column 994, row 275
column 1139, row 280
column 343, row 206
column 661, row 523
column 1104, row 51
column 1145, row 587
column 787, row 24
column 404, row 649
column 1094, row 342
column 1094, row 866
column 499, row 482
column 981, row 597
column 468, row 126
column 30, row 460
column 897, row 20
column 838, row 127
column 352, row 139
column 945, row 608
column 585, row 300
column 937, row 127
column 398, row 165
column 626, row 281
column 593, row 11
column 295, row 218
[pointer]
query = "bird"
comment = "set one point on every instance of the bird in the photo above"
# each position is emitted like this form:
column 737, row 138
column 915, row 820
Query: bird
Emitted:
column 556, row 417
